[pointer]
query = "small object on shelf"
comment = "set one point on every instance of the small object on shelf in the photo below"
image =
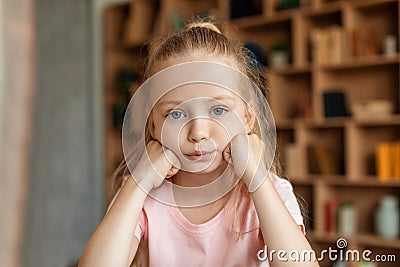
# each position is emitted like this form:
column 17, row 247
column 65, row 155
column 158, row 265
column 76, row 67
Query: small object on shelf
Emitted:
column 390, row 45
column 279, row 57
column 334, row 104
column 347, row 219
column 257, row 54
column 240, row 8
column 387, row 217
column 287, row 4
column 177, row 21
column 372, row 109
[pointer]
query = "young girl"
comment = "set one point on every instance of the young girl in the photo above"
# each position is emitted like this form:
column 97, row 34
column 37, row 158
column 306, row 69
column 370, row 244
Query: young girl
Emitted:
column 206, row 190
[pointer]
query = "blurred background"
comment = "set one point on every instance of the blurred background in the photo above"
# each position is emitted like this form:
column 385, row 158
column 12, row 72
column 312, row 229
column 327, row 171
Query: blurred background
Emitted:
column 69, row 68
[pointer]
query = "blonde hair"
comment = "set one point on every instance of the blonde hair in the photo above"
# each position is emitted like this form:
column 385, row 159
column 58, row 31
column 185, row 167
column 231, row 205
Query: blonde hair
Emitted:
column 202, row 38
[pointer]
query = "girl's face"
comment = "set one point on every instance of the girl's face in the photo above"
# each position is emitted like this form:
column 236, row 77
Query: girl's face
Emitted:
column 197, row 122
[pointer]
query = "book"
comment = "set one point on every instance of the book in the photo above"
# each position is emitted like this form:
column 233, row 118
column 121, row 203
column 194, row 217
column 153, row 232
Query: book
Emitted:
column 331, row 215
column 322, row 160
column 383, row 161
column 296, row 165
column 396, row 161
column 334, row 104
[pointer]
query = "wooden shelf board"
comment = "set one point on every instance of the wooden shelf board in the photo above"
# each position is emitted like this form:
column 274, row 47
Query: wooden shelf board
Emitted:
column 285, row 124
column 377, row 241
column 326, row 122
column 366, row 181
column 291, row 70
column 372, row 61
column 286, row 15
column 323, row 237
column 258, row 21
column 326, row 8
column 360, row 239
column 372, row 3
column 128, row 46
column 327, row 178
column 292, row 11
column 339, row 122
column 296, row 181
column 393, row 120
column 342, row 180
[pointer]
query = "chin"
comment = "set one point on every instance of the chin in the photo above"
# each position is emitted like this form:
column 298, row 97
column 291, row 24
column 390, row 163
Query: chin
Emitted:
column 215, row 167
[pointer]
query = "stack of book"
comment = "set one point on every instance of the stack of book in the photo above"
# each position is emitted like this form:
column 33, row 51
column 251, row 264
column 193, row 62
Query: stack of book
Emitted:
column 322, row 160
column 334, row 44
column 388, row 161
column 328, row 45
column 340, row 217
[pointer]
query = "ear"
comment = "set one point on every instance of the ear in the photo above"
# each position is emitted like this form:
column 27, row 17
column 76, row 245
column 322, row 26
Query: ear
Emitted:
column 151, row 127
column 250, row 119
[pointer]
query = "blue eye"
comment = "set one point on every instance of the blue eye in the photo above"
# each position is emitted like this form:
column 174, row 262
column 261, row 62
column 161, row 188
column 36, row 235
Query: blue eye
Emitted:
column 218, row 111
column 175, row 114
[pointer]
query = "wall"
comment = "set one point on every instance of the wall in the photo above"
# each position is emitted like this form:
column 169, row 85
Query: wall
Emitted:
column 16, row 96
column 65, row 199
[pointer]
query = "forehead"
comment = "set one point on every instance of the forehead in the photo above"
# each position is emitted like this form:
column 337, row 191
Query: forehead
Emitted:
column 195, row 91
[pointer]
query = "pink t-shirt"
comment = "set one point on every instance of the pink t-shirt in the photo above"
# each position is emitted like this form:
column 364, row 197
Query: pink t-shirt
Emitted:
column 174, row 241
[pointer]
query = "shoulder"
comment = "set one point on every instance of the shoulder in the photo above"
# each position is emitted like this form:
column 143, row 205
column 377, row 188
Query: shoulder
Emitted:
column 280, row 183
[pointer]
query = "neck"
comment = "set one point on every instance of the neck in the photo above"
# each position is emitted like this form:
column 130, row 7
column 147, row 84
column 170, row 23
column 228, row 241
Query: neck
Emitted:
column 190, row 179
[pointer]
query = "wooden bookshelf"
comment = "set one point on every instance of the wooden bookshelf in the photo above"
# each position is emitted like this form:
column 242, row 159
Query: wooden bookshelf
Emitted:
column 302, row 82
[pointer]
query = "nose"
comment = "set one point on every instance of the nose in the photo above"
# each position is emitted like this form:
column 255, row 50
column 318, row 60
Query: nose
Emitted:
column 198, row 130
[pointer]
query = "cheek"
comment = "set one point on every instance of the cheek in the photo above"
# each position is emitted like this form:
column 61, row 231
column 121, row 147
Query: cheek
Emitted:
column 168, row 135
column 233, row 125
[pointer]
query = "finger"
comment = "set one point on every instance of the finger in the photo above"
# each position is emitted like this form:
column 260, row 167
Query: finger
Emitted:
column 172, row 158
column 172, row 172
column 227, row 153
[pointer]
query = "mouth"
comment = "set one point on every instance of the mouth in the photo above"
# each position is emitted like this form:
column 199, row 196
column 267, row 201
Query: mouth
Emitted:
column 196, row 155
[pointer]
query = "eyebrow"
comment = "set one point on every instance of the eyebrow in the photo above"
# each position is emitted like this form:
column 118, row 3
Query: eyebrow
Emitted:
column 219, row 98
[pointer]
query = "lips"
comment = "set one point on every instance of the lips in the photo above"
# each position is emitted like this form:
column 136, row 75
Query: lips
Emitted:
column 199, row 155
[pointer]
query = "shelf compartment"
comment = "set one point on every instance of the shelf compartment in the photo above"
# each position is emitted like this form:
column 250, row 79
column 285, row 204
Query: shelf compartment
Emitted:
column 296, row 90
column 362, row 142
column 360, row 84
column 365, row 199
column 267, row 35
column 373, row 20
column 314, row 21
column 325, row 153
column 305, row 197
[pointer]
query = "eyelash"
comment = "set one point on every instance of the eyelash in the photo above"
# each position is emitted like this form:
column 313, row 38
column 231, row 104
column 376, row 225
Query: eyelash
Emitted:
column 220, row 107
column 169, row 113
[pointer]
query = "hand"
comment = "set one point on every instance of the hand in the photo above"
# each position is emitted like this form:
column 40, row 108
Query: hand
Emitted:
column 245, row 153
column 155, row 165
